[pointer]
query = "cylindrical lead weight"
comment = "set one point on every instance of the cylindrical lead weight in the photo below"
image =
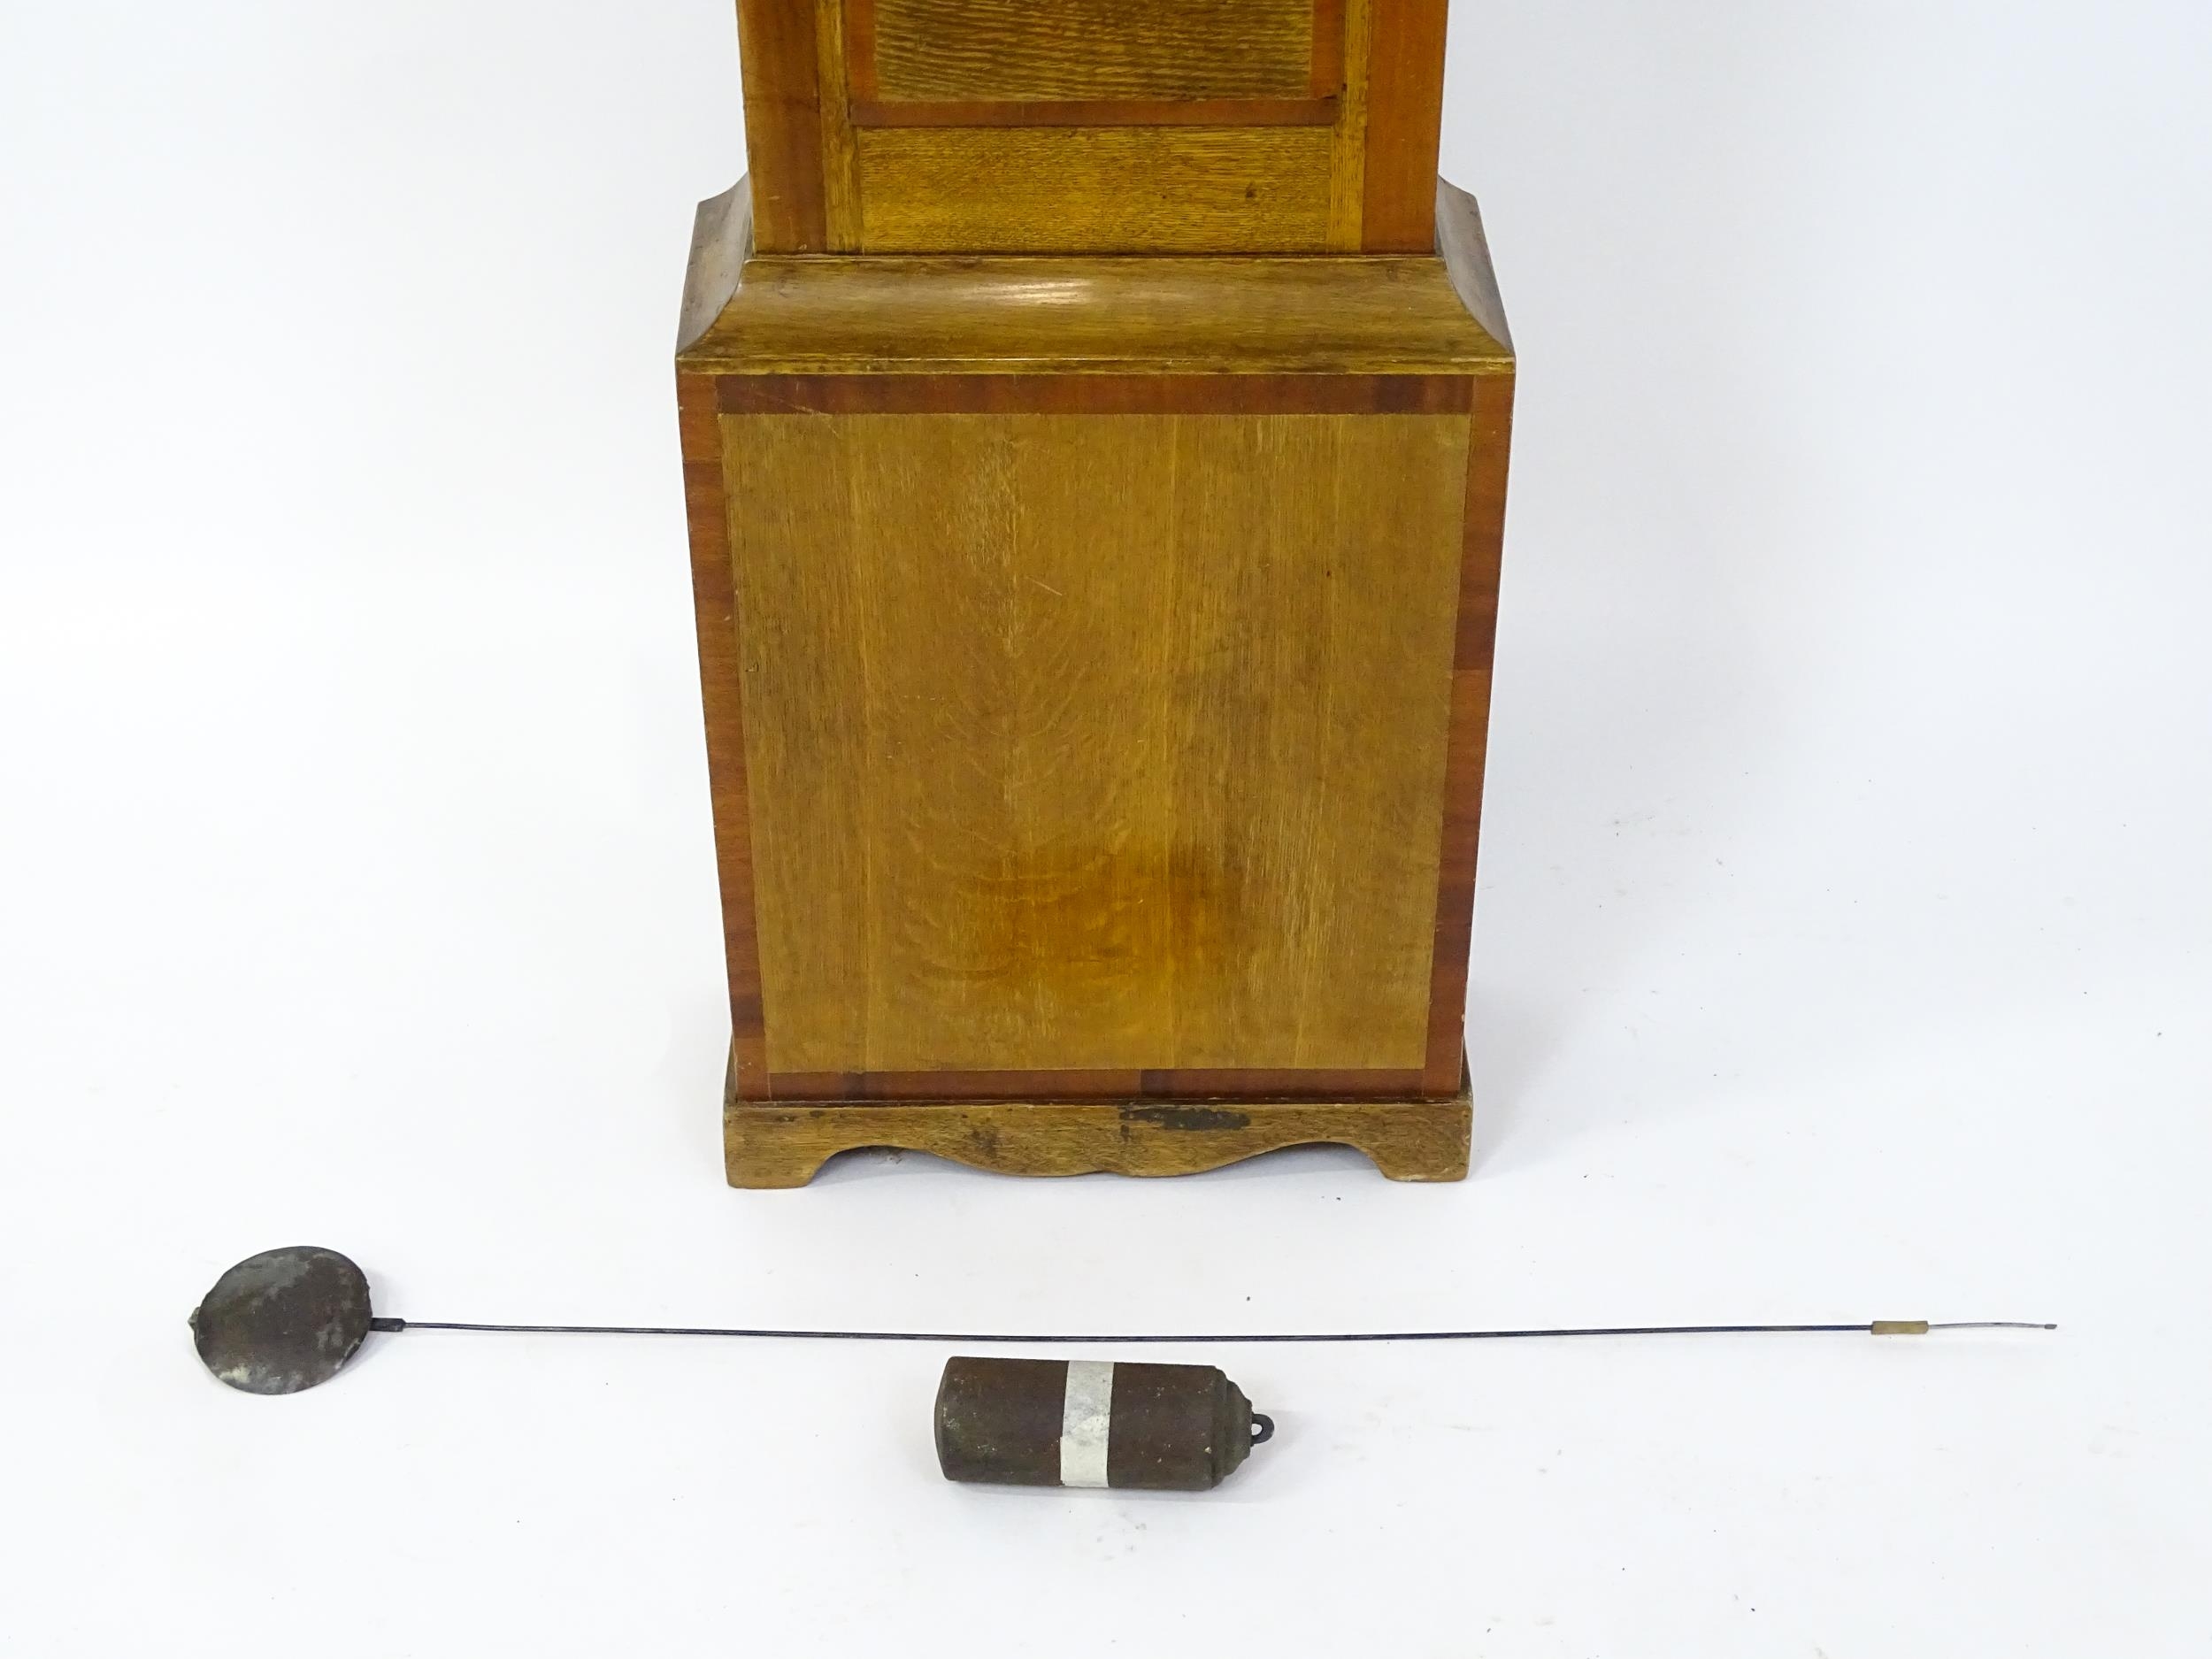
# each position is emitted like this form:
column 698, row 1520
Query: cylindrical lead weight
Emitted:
column 1092, row 1422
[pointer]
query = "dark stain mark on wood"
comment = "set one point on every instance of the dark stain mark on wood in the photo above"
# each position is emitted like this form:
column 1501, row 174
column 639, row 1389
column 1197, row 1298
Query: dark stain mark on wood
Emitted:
column 1185, row 1117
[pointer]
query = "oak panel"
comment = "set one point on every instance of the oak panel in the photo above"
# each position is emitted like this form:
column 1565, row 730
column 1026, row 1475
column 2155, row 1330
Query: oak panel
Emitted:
column 1095, row 742
column 1113, row 190
column 1022, row 50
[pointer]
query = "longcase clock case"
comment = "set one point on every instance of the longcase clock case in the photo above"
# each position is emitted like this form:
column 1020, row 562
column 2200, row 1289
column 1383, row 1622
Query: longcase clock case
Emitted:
column 1095, row 421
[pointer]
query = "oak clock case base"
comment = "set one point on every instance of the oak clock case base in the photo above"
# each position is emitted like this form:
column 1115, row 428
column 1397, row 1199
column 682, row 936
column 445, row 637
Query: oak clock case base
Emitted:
column 768, row 1144
column 1096, row 655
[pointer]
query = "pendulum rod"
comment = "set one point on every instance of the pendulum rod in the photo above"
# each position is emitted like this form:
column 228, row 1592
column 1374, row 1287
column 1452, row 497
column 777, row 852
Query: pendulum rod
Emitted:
column 290, row 1319
column 1873, row 1327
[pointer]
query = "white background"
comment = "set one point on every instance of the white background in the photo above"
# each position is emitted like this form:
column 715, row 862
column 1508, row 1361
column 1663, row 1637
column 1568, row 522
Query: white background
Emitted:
column 1841, row 948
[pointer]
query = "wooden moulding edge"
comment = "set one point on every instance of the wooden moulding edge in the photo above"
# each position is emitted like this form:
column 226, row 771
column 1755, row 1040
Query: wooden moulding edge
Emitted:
column 783, row 1144
column 1224, row 112
column 1192, row 1086
column 721, row 242
column 1099, row 394
column 1467, row 741
column 721, row 680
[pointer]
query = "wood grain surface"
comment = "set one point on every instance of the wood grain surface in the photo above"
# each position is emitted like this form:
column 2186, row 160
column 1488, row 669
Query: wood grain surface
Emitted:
column 1019, row 49
column 1324, row 67
column 1093, row 126
column 1195, row 1083
column 1405, row 108
column 1080, row 315
column 784, row 1146
column 1348, row 137
column 1475, row 644
column 713, row 591
column 916, row 509
column 1095, row 741
column 782, row 70
column 1149, row 190
column 1095, row 394
column 1125, row 113
column 842, row 217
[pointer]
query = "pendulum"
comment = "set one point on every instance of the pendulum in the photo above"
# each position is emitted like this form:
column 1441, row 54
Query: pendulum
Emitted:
column 289, row 1320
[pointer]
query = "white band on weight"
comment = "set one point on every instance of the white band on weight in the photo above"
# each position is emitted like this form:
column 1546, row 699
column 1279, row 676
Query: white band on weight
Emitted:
column 1086, row 1423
